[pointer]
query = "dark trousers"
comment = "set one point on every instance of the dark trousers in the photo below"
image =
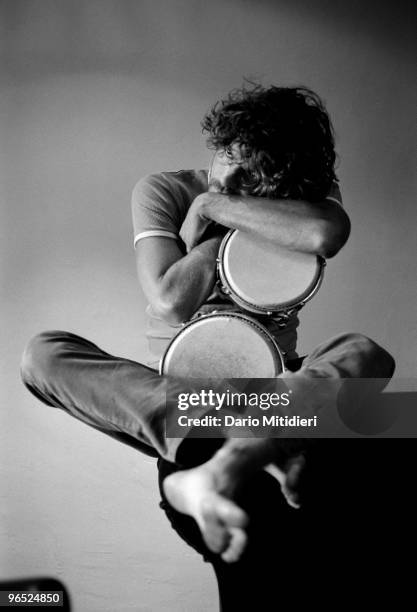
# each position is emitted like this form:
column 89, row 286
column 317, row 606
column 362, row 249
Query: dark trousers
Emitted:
column 127, row 400
column 347, row 545
column 293, row 556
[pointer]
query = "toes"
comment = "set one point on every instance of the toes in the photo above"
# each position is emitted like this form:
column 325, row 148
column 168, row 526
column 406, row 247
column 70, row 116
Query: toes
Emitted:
column 294, row 472
column 237, row 545
column 292, row 485
column 276, row 473
column 216, row 536
column 221, row 524
column 212, row 527
column 230, row 514
column 292, row 498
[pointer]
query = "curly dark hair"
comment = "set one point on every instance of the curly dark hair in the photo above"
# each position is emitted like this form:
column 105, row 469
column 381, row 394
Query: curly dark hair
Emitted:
column 284, row 137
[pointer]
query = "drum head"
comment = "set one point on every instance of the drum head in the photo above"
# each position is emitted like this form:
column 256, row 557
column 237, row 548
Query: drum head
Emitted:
column 268, row 276
column 223, row 346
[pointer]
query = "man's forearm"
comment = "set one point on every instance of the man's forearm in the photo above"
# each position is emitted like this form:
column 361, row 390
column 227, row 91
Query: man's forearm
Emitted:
column 189, row 281
column 319, row 228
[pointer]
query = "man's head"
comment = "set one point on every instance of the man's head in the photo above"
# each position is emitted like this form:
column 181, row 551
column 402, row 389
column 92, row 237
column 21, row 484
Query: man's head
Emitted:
column 271, row 142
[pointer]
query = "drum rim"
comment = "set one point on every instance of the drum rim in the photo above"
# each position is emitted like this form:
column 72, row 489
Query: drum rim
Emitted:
column 236, row 315
column 265, row 308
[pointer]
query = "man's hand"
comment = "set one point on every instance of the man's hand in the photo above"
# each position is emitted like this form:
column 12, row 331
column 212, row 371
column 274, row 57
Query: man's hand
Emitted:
column 195, row 224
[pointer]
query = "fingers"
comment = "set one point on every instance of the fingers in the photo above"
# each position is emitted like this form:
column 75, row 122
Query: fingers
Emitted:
column 193, row 229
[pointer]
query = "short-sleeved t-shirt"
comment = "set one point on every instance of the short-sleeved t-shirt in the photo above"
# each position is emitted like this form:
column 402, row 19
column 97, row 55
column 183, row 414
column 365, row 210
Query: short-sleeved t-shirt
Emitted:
column 160, row 203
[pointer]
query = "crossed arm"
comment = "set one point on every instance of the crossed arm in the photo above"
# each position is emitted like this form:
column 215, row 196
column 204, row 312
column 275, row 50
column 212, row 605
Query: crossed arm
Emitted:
column 176, row 284
column 321, row 228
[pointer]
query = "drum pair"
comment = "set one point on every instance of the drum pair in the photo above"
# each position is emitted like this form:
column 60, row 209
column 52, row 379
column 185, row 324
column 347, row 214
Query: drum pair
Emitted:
column 262, row 280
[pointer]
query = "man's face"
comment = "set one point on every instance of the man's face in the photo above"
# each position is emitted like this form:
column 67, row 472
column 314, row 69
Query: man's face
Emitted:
column 226, row 171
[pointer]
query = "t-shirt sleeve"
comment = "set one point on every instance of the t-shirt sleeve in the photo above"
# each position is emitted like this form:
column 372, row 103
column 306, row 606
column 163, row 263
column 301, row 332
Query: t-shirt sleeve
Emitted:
column 154, row 210
column 334, row 194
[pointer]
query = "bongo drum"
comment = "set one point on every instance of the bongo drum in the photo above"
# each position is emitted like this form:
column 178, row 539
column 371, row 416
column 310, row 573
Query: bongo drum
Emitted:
column 266, row 279
column 223, row 345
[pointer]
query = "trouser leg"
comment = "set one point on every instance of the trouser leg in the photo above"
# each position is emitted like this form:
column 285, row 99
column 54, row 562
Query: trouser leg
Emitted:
column 347, row 356
column 358, row 367
column 128, row 400
column 349, row 542
column 118, row 396
column 344, row 359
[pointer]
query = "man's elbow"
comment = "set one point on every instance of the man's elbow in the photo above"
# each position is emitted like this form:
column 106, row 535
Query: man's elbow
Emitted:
column 332, row 236
column 170, row 310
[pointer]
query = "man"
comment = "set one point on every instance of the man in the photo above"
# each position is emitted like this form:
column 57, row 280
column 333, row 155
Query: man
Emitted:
column 272, row 174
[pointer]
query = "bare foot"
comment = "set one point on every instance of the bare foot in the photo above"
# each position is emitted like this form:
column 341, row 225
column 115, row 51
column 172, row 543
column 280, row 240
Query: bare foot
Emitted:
column 206, row 496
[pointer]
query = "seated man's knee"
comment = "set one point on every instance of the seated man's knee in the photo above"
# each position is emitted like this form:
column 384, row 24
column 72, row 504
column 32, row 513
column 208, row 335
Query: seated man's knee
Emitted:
column 383, row 361
column 40, row 356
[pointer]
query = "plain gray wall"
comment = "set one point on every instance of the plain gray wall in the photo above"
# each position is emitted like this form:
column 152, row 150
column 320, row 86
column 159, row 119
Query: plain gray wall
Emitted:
column 94, row 95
